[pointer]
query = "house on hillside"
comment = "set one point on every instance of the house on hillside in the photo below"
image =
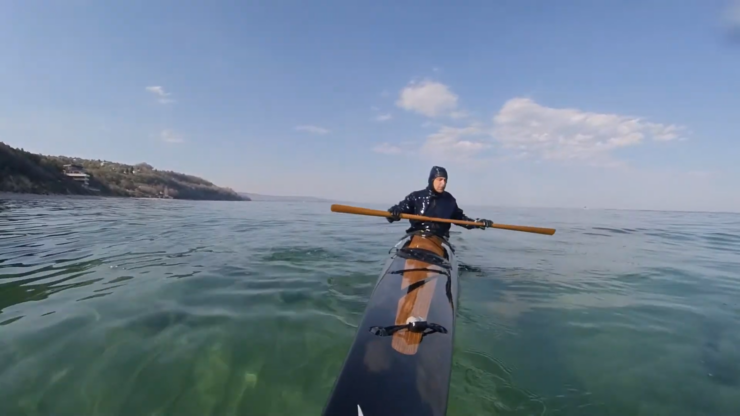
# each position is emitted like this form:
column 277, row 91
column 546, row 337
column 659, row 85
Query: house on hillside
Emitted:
column 77, row 173
column 74, row 169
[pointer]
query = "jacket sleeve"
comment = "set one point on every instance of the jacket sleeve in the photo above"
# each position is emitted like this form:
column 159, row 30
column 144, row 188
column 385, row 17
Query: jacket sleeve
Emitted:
column 458, row 214
column 407, row 204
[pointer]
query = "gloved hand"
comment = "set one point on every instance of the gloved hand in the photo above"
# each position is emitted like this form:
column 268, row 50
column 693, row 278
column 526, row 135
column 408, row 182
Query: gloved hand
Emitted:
column 486, row 223
column 395, row 214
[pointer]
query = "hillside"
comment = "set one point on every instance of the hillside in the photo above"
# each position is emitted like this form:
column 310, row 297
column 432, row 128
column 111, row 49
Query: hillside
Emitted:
column 25, row 172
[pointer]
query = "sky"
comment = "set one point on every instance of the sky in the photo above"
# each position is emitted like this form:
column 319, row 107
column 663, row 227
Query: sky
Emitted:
column 611, row 104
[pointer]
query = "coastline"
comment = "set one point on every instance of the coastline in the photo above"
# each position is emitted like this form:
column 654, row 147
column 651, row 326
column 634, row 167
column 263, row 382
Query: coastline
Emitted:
column 30, row 196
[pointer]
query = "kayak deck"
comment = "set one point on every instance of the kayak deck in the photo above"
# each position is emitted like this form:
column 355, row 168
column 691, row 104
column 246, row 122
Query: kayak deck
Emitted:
column 401, row 358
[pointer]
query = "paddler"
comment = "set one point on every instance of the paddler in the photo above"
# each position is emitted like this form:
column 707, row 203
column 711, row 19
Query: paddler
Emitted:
column 433, row 201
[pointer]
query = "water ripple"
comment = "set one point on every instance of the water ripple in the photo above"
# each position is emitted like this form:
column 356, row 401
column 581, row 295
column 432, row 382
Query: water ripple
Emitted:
column 120, row 306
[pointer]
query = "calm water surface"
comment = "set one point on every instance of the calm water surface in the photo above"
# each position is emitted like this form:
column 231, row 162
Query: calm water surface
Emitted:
column 137, row 307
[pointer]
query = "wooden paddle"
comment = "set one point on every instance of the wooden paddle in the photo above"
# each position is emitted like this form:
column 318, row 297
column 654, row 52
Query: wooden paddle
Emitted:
column 377, row 213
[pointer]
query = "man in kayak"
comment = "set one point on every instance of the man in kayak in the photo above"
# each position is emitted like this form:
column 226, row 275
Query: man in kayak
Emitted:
column 433, row 201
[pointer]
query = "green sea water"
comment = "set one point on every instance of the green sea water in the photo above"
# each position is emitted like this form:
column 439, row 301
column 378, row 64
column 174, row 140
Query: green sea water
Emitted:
column 156, row 307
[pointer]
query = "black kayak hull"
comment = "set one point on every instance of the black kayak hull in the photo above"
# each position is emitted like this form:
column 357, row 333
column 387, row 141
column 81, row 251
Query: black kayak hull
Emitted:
column 392, row 369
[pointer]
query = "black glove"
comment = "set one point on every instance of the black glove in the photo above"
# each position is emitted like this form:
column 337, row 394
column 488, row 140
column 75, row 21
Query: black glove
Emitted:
column 486, row 223
column 395, row 214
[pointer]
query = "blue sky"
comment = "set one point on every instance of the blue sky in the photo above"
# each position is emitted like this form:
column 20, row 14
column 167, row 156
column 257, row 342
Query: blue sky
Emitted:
column 616, row 104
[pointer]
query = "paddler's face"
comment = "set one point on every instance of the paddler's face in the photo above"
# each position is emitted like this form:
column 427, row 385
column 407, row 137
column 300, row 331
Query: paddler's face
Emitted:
column 439, row 184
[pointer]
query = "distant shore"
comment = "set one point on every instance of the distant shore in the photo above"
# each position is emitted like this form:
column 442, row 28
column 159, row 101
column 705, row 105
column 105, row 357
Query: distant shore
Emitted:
column 23, row 172
column 30, row 196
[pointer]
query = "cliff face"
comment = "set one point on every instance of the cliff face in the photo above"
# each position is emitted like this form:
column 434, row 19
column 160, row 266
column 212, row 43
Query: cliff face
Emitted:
column 25, row 172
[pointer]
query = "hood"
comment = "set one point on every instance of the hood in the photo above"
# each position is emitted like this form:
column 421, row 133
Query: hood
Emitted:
column 436, row 172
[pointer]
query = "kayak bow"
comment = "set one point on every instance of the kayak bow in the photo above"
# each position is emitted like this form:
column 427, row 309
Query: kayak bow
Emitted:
column 401, row 358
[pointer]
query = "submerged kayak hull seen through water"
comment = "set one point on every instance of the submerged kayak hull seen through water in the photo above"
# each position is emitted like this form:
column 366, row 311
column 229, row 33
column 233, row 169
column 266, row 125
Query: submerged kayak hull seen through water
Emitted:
column 401, row 359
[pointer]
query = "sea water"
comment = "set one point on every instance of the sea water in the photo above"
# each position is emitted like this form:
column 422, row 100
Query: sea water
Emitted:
column 166, row 307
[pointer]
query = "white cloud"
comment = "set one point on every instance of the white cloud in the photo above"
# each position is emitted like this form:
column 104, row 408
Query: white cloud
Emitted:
column 161, row 93
column 381, row 117
column 452, row 142
column 170, row 136
column 567, row 133
column 312, row 129
column 429, row 98
column 158, row 90
column 388, row 149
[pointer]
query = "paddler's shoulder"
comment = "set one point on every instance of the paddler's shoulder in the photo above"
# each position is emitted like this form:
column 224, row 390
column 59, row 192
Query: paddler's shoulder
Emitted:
column 447, row 195
column 419, row 193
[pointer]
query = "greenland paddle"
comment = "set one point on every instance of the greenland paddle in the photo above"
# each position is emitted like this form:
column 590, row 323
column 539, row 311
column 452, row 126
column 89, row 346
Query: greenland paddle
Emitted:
column 377, row 213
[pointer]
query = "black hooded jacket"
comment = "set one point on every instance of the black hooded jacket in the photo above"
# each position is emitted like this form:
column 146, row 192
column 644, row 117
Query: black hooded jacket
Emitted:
column 429, row 203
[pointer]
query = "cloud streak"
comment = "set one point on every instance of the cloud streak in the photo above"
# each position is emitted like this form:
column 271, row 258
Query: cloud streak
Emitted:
column 162, row 95
column 387, row 149
column 169, row 136
column 312, row 129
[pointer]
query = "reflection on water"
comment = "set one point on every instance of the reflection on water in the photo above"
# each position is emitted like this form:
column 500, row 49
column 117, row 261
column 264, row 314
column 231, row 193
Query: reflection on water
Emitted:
column 123, row 307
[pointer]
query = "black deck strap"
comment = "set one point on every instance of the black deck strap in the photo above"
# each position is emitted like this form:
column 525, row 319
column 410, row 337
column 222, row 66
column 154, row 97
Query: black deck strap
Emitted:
column 423, row 255
column 423, row 327
column 444, row 271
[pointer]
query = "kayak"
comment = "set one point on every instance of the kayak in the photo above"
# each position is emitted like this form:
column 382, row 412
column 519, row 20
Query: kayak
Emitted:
column 400, row 361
